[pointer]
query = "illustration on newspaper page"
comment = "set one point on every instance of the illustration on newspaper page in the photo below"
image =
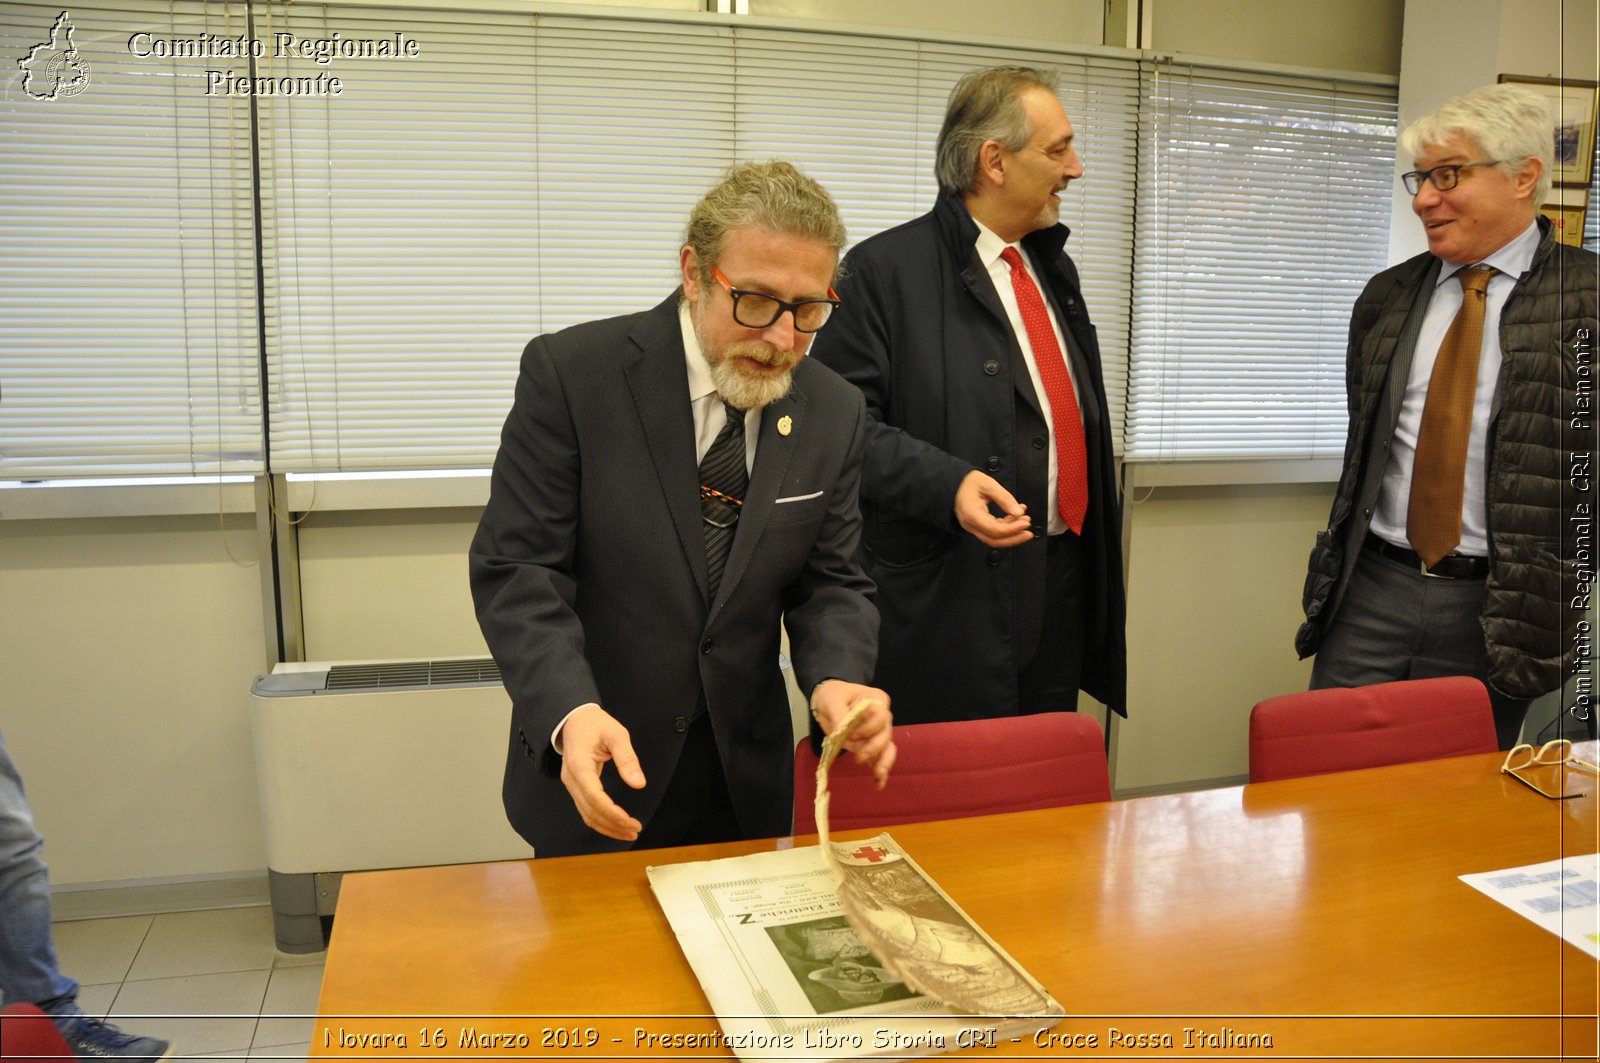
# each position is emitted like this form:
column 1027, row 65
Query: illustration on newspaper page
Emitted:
column 790, row 977
column 903, row 919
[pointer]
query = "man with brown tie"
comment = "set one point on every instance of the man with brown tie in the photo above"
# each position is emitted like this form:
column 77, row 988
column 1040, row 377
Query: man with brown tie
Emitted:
column 991, row 509
column 1462, row 524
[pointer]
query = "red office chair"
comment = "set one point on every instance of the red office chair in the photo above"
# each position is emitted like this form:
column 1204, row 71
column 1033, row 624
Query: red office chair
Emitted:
column 965, row 768
column 28, row 1034
column 1339, row 729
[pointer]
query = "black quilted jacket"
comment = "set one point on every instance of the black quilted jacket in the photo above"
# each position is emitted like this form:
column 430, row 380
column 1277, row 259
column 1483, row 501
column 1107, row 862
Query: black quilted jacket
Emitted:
column 1541, row 486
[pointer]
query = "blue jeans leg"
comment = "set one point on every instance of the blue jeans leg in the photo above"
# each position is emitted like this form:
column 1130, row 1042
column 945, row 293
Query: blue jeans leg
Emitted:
column 28, row 972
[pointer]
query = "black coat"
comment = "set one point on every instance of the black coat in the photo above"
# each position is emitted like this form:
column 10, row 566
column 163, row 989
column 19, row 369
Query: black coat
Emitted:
column 922, row 333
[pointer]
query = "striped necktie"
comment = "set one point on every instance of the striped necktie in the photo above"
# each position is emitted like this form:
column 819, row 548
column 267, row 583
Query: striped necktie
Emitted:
column 723, row 482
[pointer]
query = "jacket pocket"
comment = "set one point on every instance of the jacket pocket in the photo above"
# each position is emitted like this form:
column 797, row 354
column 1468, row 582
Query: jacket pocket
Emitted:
column 798, row 508
column 904, row 543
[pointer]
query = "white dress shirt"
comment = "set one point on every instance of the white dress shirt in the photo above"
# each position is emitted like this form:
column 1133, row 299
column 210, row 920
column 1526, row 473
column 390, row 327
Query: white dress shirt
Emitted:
column 1394, row 494
column 709, row 412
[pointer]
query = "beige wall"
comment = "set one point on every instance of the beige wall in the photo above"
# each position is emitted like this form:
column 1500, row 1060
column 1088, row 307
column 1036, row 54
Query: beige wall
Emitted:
column 1347, row 35
column 1213, row 604
column 128, row 646
column 388, row 584
column 1044, row 21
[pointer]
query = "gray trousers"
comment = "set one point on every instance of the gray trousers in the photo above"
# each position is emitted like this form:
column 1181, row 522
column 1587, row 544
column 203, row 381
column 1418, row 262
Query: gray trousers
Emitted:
column 1395, row 623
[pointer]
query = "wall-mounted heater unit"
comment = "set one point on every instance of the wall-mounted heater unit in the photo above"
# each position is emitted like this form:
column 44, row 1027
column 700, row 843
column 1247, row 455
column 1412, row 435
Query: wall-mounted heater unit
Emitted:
column 376, row 765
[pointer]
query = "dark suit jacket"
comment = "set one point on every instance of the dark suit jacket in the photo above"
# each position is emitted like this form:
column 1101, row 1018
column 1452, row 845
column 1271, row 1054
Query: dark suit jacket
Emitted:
column 589, row 573
column 922, row 332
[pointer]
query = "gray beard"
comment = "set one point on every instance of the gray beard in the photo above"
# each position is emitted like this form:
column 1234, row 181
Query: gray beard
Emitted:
column 735, row 388
column 748, row 392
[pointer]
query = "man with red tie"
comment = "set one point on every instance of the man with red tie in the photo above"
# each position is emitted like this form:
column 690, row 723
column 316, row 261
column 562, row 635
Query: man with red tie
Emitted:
column 991, row 509
column 1460, row 540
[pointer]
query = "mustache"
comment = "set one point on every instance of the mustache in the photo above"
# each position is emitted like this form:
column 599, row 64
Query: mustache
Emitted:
column 764, row 354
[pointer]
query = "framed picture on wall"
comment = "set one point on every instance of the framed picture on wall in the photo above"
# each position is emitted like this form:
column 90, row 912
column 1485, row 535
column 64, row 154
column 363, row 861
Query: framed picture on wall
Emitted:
column 1574, row 104
column 1568, row 222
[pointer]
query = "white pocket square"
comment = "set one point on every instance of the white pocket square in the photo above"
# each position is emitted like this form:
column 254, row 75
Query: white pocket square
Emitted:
column 798, row 498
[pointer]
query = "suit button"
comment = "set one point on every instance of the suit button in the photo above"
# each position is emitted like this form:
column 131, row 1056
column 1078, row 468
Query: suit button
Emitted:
column 707, row 646
column 993, row 464
column 680, row 724
column 994, row 559
column 1038, row 442
column 991, row 367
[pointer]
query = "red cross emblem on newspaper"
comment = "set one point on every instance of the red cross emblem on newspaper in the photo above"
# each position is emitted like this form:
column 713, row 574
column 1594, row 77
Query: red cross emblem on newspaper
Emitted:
column 867, row 852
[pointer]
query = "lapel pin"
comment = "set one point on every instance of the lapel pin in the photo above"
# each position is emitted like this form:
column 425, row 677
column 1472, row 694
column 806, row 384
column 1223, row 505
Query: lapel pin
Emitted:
column 785, row 425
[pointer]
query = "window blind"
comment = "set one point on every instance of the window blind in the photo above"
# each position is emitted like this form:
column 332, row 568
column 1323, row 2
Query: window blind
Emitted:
column 520, row 175
column 526, row 173
column 128, row 335
column 848, row 111
column 400, row 240
column 1101, row 97
column 519, row 172
column 1262, row 211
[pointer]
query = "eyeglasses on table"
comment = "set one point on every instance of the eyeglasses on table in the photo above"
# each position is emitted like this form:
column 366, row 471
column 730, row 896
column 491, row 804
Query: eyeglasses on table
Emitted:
column 1554, row 753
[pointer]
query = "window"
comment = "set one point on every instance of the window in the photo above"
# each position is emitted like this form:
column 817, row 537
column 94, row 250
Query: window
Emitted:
column 128, row 337
column 487, row 176
column 1263, row 210
column 525, row 173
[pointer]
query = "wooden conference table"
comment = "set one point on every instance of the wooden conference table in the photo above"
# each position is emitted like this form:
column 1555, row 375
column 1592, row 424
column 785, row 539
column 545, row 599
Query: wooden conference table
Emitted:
column 1323, row 912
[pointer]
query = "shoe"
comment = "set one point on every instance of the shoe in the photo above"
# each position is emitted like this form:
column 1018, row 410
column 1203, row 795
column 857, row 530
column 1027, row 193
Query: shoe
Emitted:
column 93, row 1039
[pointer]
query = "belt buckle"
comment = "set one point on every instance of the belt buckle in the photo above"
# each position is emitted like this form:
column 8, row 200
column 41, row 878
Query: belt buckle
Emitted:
column 1423, row 565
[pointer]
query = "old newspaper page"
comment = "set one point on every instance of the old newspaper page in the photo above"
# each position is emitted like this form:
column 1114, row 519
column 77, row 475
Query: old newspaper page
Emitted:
column 910, row 924
column 790, row 977
column 841, row 951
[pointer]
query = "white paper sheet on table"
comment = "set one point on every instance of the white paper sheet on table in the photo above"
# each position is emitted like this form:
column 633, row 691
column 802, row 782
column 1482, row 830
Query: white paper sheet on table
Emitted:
column 1563, row 896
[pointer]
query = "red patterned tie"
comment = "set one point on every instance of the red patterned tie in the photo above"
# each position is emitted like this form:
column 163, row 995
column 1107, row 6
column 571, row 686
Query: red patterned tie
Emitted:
column 1072, row 466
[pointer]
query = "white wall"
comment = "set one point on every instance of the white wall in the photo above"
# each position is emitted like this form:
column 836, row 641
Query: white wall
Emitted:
column 127, row 646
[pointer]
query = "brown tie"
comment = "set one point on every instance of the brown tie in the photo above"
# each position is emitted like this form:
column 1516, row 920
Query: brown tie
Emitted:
column 1439, row 471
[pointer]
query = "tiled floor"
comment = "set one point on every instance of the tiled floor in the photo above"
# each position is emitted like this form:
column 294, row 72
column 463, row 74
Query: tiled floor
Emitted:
column 211, row 982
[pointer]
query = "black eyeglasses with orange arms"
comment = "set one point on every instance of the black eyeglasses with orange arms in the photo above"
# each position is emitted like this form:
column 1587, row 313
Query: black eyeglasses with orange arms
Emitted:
column 759, row 310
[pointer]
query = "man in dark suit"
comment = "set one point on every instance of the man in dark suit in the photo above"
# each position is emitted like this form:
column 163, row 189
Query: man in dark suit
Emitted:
column 1459, row 539
column 992, row 514
column 670, row 485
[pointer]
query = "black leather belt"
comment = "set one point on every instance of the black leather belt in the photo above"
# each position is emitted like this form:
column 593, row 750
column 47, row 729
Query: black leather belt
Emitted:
column 1454, row 566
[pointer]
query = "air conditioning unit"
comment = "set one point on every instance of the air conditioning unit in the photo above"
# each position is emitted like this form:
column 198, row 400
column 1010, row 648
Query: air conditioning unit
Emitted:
column 375, row 765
